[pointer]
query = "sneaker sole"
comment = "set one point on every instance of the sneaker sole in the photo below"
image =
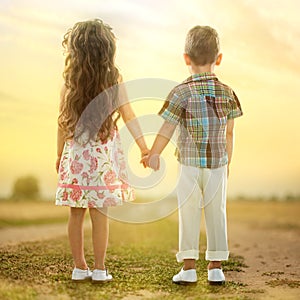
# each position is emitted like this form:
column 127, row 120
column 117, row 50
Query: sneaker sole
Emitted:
column 185, row 282
column 101, row 281
column 216, row 282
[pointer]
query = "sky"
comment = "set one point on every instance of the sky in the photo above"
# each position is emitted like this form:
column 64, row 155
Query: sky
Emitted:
column 260, row 42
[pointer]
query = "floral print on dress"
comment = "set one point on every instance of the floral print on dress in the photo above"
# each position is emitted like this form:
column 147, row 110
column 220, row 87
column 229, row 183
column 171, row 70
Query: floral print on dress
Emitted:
column 93, row 175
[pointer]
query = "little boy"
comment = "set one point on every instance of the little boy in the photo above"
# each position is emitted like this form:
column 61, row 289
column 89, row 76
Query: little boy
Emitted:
column 205, row 109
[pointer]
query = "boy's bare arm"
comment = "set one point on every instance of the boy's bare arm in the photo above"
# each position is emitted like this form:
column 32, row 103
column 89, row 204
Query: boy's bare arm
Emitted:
column 229, row 139
column 161, row 141
column 163, row 137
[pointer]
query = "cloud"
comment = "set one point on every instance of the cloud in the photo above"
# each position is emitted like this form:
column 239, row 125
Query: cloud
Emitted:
column 260, row 39
column 7, row 97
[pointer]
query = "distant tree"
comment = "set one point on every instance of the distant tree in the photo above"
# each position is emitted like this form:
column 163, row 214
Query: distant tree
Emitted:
column 26, row 188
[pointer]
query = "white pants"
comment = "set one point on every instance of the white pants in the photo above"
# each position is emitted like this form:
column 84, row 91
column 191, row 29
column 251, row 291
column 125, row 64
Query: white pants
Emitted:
column 202, row 188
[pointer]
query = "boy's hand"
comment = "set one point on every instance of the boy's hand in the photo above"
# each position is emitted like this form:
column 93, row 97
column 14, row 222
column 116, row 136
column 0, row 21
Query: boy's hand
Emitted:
column 151, row 161
column 154, row 162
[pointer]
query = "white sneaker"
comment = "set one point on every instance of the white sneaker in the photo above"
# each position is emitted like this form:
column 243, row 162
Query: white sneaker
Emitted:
column 216, row 277
column 79, row 275
column 100, row 276
column 185, row 277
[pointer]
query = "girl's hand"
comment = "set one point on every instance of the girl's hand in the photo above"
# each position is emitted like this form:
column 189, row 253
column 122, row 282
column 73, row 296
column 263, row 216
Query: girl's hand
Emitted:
column 144, row 156
column 57, row 163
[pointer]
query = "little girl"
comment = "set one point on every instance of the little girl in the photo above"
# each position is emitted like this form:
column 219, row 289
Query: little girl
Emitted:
column 90, row 162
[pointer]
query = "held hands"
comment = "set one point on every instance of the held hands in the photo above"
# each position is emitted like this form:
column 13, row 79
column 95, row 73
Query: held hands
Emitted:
column 162, row 139
column 148, row 160
column 151, row 160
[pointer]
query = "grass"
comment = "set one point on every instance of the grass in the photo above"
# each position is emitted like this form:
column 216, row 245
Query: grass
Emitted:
column 140, row 257
column 16, row 292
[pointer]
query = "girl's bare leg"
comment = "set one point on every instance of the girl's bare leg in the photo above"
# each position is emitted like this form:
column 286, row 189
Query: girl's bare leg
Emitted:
column 100, row 231
column 76, row 236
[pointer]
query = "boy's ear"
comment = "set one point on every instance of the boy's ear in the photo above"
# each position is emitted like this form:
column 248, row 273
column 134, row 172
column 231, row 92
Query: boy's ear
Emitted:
column 187, row 59
column 219, row 59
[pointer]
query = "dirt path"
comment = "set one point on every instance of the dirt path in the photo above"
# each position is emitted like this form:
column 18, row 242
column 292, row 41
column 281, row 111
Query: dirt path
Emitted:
column 273, row 259
column 16, row 235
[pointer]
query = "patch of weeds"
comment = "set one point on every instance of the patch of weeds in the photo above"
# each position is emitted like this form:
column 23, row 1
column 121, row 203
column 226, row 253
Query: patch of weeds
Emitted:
column 9, row 291
column 284, row 282
column 255, row 291
column 235, row 263
column 272, row 273
column 45, row 268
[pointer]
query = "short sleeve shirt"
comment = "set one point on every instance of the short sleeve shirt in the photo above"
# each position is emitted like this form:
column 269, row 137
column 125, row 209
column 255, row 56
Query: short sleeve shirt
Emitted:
column 201, row 105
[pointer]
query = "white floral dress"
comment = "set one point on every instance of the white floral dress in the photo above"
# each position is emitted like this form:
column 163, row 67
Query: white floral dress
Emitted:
column 93, row 175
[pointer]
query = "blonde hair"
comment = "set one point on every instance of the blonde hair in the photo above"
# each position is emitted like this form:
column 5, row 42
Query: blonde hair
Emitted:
column 89, row 70
column 202, row 45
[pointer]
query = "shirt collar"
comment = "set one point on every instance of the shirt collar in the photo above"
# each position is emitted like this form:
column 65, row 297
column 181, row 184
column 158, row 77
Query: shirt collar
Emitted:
column 201, row 77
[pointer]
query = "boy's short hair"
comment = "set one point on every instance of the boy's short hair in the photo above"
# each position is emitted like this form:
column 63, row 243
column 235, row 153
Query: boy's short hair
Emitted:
column 202, row 45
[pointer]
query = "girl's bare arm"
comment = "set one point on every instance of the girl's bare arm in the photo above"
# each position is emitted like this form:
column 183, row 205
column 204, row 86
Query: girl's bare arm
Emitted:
column 130, row 119
column 60, row 136
column 133, row 126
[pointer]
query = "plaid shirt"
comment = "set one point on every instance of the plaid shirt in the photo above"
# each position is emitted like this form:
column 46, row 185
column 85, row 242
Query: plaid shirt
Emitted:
column 201, row 105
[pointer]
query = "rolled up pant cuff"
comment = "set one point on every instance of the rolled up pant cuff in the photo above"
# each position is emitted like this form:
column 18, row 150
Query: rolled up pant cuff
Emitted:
column 216, row 255
column 187, row 254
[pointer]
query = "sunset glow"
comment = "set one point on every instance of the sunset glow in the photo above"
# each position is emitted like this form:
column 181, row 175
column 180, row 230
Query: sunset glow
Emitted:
column 260, row 42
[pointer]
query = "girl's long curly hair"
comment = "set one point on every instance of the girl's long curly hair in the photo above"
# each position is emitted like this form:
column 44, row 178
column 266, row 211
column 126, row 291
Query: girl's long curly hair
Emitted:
column 90, row 74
